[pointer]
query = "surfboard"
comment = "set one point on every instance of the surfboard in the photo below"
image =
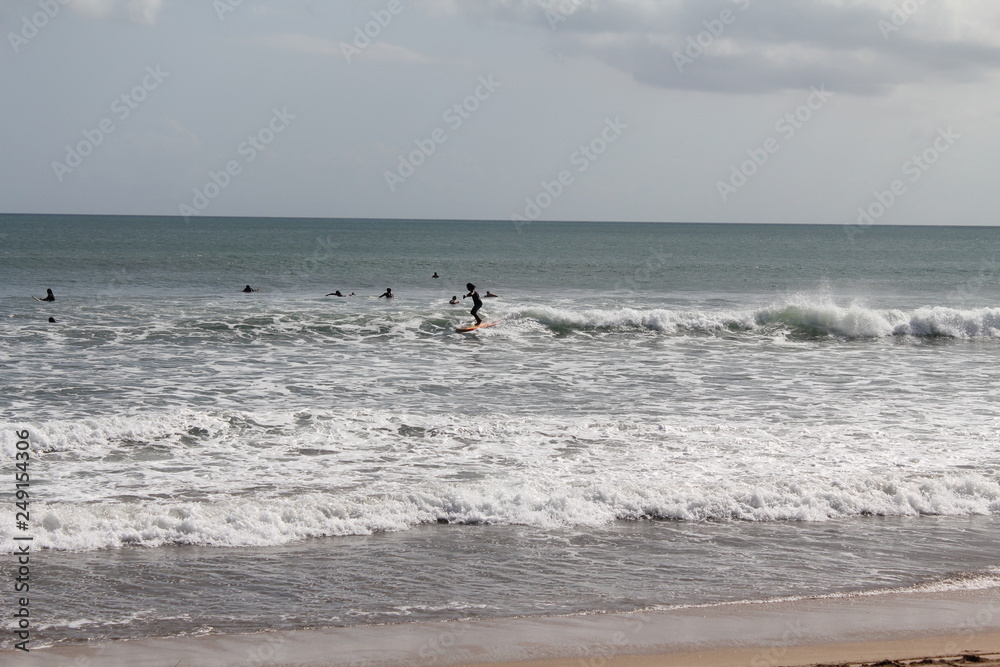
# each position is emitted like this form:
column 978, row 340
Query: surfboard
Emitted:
column 476, row 326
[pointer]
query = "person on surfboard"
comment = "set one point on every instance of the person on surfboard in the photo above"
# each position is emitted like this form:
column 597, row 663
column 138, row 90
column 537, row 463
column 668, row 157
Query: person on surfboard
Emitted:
column 477, row 303
column 49, row 296
column 388, row 293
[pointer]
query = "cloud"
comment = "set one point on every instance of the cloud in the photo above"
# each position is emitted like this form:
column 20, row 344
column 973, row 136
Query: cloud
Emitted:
column 142, row 12
column 754, row 46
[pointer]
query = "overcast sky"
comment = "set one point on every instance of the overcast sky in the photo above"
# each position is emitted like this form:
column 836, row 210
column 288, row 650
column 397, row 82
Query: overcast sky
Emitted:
column 649, row 110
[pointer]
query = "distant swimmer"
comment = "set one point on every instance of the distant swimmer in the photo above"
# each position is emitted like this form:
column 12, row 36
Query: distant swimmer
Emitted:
column 477, row 303
column 435, row 275
column 454, row 300
column 52, row 319
column 49, row 296
column 388, row 294
column 491, row 295
column 337, row 293
column 250, row 289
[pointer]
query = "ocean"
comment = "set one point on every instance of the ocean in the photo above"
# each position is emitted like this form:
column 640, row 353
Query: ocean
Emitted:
column 666, row 415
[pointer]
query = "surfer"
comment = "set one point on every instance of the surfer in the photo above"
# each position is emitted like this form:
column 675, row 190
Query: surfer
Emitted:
column 477, row 303
column 49, row 296
column 454, row 300
column 435, row 275
column 388, row 293
column 250, row 289
column 337, row 293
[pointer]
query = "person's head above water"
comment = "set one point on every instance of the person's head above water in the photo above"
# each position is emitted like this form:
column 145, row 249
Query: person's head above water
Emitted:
column 470, row 287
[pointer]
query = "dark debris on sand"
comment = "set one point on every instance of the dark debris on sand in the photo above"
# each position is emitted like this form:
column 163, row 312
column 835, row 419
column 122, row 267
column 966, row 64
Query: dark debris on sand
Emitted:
column 956, row 661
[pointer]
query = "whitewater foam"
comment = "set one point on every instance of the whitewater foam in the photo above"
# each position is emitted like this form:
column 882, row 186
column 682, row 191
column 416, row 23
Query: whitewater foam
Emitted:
column 796, row 317
column 232, row 479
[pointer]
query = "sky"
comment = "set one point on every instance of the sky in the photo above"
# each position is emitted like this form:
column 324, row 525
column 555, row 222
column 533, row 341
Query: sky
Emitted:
column 853, row 112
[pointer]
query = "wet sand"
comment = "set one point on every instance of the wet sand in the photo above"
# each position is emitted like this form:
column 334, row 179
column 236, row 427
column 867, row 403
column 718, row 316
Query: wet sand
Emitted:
column 866, row 629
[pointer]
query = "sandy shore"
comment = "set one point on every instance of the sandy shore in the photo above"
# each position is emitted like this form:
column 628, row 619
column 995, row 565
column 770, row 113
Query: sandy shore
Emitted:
column 824, row 631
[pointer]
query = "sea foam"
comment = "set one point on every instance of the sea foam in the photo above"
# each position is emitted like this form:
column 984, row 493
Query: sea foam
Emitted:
column 797, row 317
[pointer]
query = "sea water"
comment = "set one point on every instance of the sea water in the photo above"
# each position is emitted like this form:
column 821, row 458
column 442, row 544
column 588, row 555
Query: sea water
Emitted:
column 665, row 415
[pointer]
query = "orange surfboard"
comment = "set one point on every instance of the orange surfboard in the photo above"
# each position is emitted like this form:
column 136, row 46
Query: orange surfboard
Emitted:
column 476, row 326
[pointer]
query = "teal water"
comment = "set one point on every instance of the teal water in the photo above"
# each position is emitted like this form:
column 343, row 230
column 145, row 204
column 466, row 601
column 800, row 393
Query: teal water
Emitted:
column 720, row 402
column 886, row 265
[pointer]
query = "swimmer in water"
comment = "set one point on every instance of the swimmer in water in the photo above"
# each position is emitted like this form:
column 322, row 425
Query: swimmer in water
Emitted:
column 435, row 275
column 49, row 296
column 477, row 303
column 337, row 293
column 454, row 300
column 250, row 289
column 491, row 295
column 388, row 294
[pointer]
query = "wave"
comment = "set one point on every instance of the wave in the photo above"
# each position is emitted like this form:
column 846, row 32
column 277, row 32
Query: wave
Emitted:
column 262, row 521
column 799, row 318
column 235, row 478
column 807, row 317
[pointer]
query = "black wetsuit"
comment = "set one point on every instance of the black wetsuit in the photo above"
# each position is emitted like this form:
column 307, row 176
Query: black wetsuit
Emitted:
column 477, row 303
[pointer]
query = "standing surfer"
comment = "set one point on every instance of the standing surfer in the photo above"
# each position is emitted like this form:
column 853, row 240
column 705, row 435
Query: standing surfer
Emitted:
column 477, row 303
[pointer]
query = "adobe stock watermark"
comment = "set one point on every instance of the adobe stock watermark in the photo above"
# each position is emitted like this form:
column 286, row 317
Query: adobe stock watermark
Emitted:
column 122, row 107
column 364, row 36
column 696, row 44
column 775, row 653
column 786, row 126
column 440, row 646
column 900, row 14
column 454, row 116
column 264, row 649
column 987, row 276
column 31, row 25
column 602, row 654
column 325, row 252
column 223, row 7
column 971, row 626
column 643, row 273
column 915, row 167
column 248, row 149
column 582, row 158
column 559, row 11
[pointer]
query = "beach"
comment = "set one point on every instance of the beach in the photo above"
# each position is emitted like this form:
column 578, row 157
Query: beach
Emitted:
column 851, row 630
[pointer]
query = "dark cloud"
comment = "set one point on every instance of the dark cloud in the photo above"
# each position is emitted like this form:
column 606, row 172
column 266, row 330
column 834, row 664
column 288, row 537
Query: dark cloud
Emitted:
column 753, row 46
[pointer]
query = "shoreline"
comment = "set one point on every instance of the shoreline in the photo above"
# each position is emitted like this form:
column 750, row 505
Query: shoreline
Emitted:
column 812, row 631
